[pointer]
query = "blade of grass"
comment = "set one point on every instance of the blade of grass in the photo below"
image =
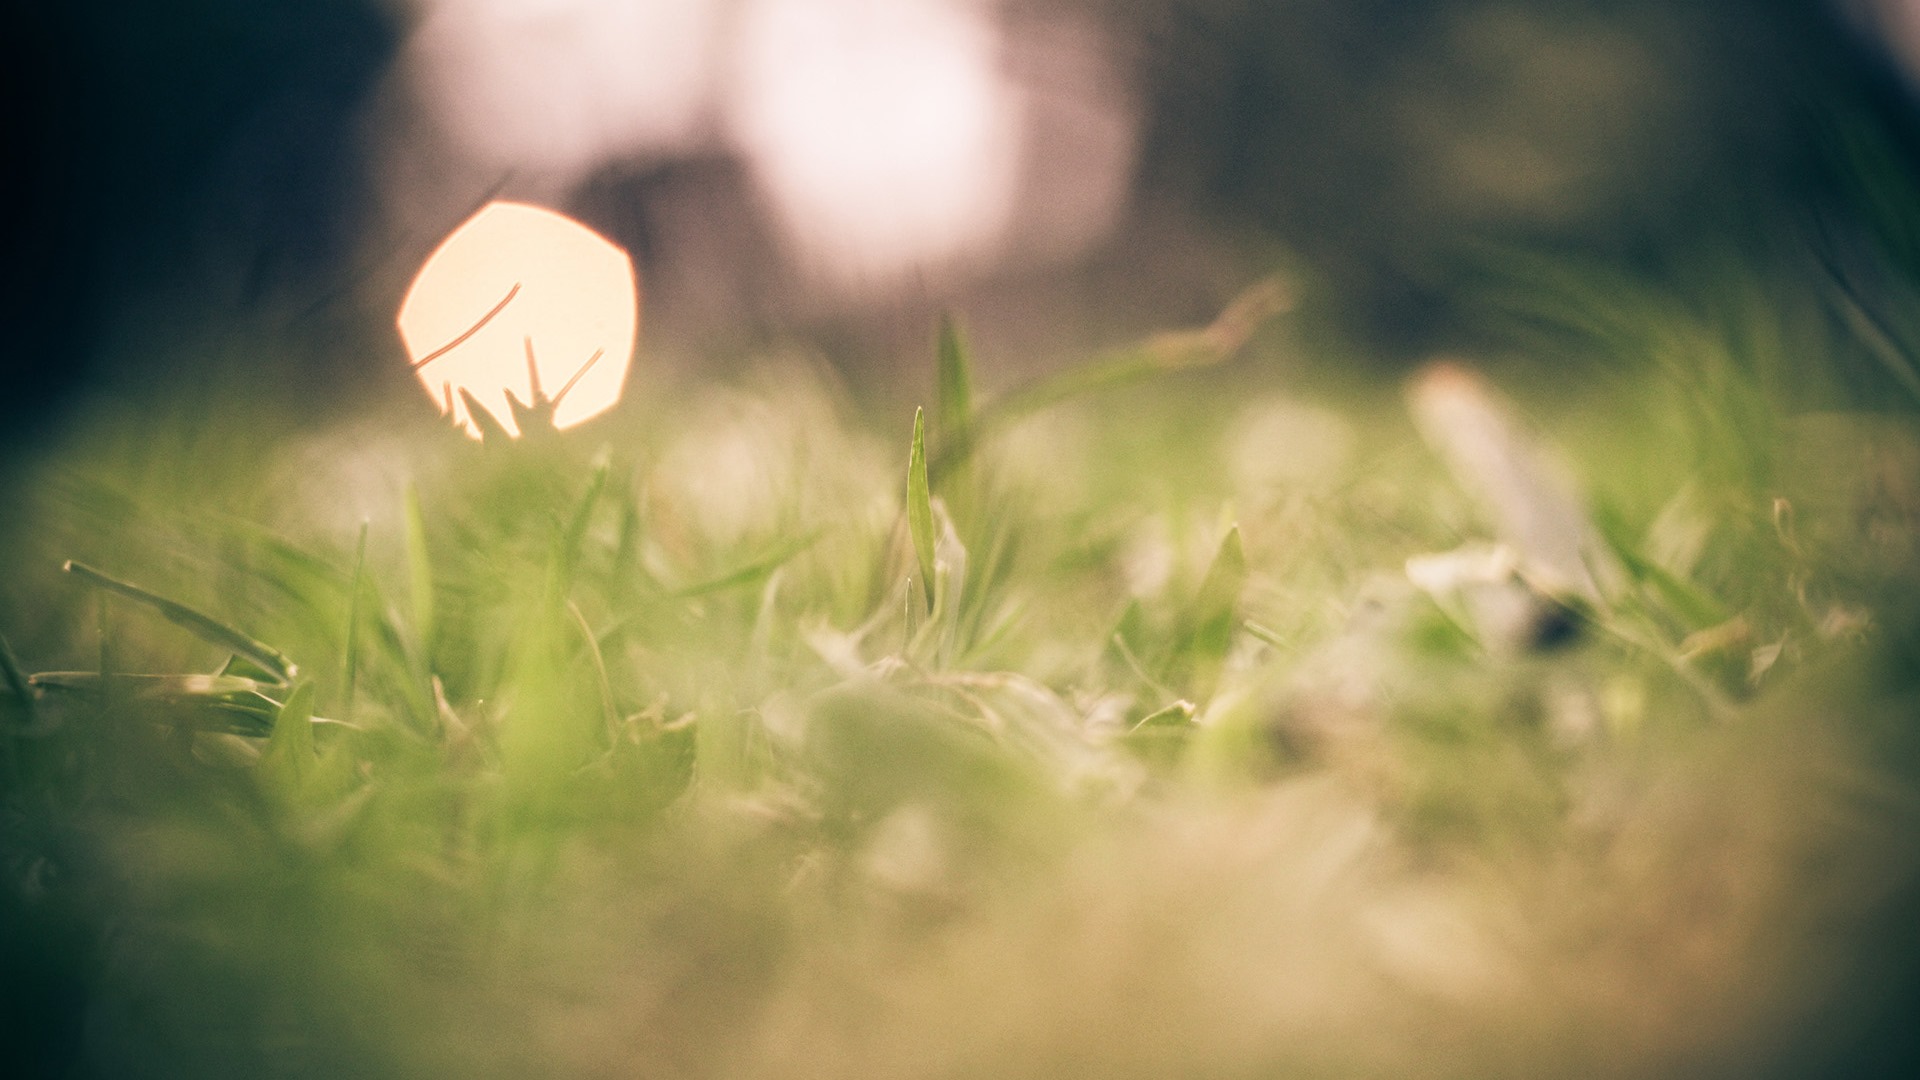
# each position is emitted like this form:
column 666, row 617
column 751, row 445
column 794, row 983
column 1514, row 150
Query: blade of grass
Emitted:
column 16, row 680
column 611, row 714
column 184, row 701
column 419, row 573
column 1879, row 340
column 351, row 671
column 752, row 570
column 1268, row 635
column 1212, row 344
column 246, row 669
column 953, row 416
column 204, row 626
column 492, row 431
column 227, row 688
column 954, row 402
column 1177, row 715
column 919, row 504
column 564, row 556
column 626, row 550
column 576, row 534
column 1213, row 614
column 289, row 754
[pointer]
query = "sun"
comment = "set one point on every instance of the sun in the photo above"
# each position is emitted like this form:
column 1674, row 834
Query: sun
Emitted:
column 525, row 301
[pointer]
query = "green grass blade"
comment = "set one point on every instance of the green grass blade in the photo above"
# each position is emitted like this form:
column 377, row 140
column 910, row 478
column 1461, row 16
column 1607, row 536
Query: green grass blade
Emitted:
column 492, row 431
column 289, row 754
column 1213, row 616
column 610, row 713
column 206, row 702
column 576, row 535
column 244, row 668
column 953, row 411
column 953, row 417
column 920, row 503
column 1177, row 715
column 16, row 679
column 419, row 572
column 198, row 623
column 351, row 671
column 754, row 570
column 1873, row 332
column 1207, row 346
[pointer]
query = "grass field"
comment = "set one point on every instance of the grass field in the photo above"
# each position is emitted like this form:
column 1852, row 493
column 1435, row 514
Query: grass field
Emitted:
column 1201, row 711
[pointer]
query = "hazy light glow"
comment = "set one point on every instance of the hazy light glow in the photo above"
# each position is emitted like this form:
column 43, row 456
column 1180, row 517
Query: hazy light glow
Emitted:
column 518, row 279
column 1898, row 24
column 884, row 131
column 1080, row 117
column 562, row 86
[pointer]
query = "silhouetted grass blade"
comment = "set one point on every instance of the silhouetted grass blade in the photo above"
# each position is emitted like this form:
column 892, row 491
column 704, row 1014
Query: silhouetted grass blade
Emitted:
column 205, row 626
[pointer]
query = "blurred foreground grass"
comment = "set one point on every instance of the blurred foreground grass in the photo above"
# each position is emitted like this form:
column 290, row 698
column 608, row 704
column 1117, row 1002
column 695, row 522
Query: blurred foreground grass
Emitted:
column 1242, row 731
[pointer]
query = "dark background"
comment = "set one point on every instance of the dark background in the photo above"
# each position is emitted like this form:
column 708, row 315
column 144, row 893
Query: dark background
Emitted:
column 181, row 170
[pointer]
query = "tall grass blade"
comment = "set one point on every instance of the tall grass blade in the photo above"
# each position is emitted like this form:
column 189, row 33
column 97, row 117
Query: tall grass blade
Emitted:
column 1214, row 614
column 198, row 623
column 351, row 671
column 16, row 679
column 953, row 415
column 576, row 535
column 419, row 573
column 1207, row 346
column 953, row 403
column 209, row 702
column 920, row 504
column 289, row 754
column 752, row 571
column 1873, row 332
column 492, row 431
column 609, row 712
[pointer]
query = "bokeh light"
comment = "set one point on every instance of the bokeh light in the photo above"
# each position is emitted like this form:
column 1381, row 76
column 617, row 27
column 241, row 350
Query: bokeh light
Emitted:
column 882, row 130
column 561, row 86
column 519, row 291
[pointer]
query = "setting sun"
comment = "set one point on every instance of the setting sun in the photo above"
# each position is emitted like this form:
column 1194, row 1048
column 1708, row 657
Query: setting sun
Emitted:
column 522, row 301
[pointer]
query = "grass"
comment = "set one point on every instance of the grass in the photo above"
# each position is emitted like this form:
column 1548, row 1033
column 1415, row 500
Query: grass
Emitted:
column 1156, row 718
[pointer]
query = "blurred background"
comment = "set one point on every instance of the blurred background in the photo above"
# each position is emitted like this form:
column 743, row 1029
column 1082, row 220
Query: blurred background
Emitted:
column 212, row 187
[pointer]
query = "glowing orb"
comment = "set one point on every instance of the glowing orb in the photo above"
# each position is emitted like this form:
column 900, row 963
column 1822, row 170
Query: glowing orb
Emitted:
column 524, row 301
